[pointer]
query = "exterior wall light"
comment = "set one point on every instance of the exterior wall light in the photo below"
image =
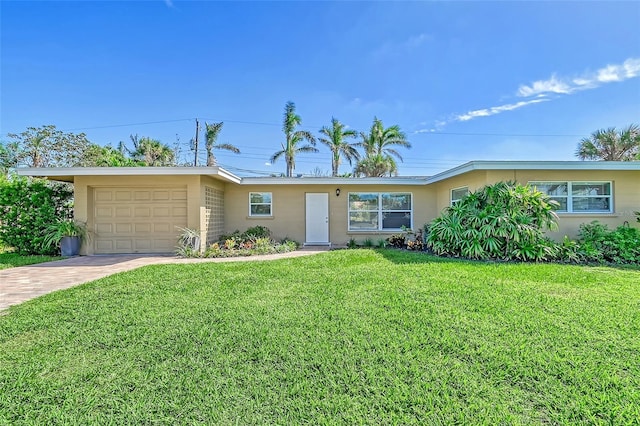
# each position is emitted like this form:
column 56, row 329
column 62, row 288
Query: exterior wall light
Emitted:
column 337, row 192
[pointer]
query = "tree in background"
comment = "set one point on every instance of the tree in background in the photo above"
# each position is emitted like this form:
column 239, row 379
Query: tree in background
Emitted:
column 151, row 152
column 7, row 159
column 378, row 150
column 107, row 156
column 377, row 165
column 212, row 132
column 611, row 145
column 294, row 138
column 46, row 146
column 335, row 139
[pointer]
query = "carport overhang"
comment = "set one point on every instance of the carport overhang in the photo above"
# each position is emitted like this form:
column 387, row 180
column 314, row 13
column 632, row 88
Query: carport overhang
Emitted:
column 68, row 174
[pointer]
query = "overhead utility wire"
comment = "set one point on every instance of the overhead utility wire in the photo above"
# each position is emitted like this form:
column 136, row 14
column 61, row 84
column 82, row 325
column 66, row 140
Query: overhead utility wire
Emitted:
column 318, row 127
column 129, row 124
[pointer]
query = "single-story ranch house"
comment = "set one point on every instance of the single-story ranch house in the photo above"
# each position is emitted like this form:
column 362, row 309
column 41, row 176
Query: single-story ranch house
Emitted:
column 140, row 209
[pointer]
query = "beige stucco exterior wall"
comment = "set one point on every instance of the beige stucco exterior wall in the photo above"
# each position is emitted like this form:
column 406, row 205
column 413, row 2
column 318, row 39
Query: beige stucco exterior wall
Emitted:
column 626, row 193
column 288, row 218
column 83, row 196
column 473, row 180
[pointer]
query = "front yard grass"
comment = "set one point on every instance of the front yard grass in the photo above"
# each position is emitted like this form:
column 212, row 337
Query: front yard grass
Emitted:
column 344, row 337
column 8, row 259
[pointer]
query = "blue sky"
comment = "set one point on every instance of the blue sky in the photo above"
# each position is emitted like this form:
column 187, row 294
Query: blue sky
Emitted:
column 464, row 80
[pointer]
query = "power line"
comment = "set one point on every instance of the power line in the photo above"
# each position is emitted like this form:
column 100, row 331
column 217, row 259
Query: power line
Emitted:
column 541, row 135
column 128, row 124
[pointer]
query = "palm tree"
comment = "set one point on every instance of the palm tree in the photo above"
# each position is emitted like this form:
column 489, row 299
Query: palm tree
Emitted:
column 211, row 136
column 151, row 152
column 377, row 149
column 611, row 145
column 335, row 140
column 293, row 139
column 377, row 165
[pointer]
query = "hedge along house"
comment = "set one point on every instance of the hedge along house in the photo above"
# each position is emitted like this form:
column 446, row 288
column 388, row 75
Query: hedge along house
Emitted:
column 140, row 209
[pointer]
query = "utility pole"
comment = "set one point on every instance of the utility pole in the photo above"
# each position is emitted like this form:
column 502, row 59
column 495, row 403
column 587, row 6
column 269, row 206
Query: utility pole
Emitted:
column 195, row 160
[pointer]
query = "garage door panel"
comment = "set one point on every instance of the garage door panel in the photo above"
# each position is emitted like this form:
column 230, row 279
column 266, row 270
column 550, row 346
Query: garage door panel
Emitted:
column 138, row 220
column 123, row 228
column 142, row 212
column 179, row 212
column 161, row 195
column 104, row 246
column 123, row 195
column 142, row 228
column 164, row 211
column 142, row 195
column 103, row 195
column 123, row 212
column 178, row 195
column 106, row 212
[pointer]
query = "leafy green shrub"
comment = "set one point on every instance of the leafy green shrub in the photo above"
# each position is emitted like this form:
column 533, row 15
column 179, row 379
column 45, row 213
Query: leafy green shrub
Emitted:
column 253, row 241
column 599, row 244
column 397, row 240
column 27, row 208
column 257, row 232
column 505, row 221
column 352, row 244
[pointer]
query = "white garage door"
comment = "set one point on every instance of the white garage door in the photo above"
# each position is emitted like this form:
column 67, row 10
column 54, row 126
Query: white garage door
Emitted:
column 138, row 219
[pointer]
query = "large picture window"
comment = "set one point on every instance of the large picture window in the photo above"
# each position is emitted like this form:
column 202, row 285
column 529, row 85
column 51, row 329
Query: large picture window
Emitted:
column 578, row 197
column 260, row 204
column 375, row 211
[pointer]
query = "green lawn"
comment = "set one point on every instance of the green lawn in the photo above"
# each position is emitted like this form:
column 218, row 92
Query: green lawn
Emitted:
column 11, row 260
column 344, row 337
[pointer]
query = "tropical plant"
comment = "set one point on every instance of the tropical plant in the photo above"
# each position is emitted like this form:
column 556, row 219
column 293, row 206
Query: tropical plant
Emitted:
column 151, row 152
column 379, row 149
column 599, row 244
column 107, row 156
column 376, row 166
column 54, row 232
column 212, row 132
column 293, row 139
column 335, row 139
column 611, row 145
column 500, row 221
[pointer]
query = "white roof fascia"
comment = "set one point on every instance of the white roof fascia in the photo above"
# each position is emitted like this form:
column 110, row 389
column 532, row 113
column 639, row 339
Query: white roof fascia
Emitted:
column 331, row 181
column 127, row 171
column 535, row 165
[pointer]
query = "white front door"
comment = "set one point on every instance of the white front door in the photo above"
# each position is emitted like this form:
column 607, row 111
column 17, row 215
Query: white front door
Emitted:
column 317, row 218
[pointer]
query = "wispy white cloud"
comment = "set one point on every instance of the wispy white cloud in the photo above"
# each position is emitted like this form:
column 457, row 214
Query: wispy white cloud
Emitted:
column 588, row 80
column 541, row 90
column 405, row 46
column 486, row 112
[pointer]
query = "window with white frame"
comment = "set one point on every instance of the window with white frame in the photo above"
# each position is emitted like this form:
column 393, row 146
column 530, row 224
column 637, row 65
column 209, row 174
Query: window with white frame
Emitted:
column 260, row 204
column 458, row 193
column 579, row 197
column 380, row 211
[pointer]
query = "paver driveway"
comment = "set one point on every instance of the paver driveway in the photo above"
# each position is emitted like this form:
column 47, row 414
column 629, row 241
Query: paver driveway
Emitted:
column 28, row 282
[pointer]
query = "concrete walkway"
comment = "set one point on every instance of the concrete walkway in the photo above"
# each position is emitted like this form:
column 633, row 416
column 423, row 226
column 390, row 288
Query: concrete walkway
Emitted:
column 28, row 282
